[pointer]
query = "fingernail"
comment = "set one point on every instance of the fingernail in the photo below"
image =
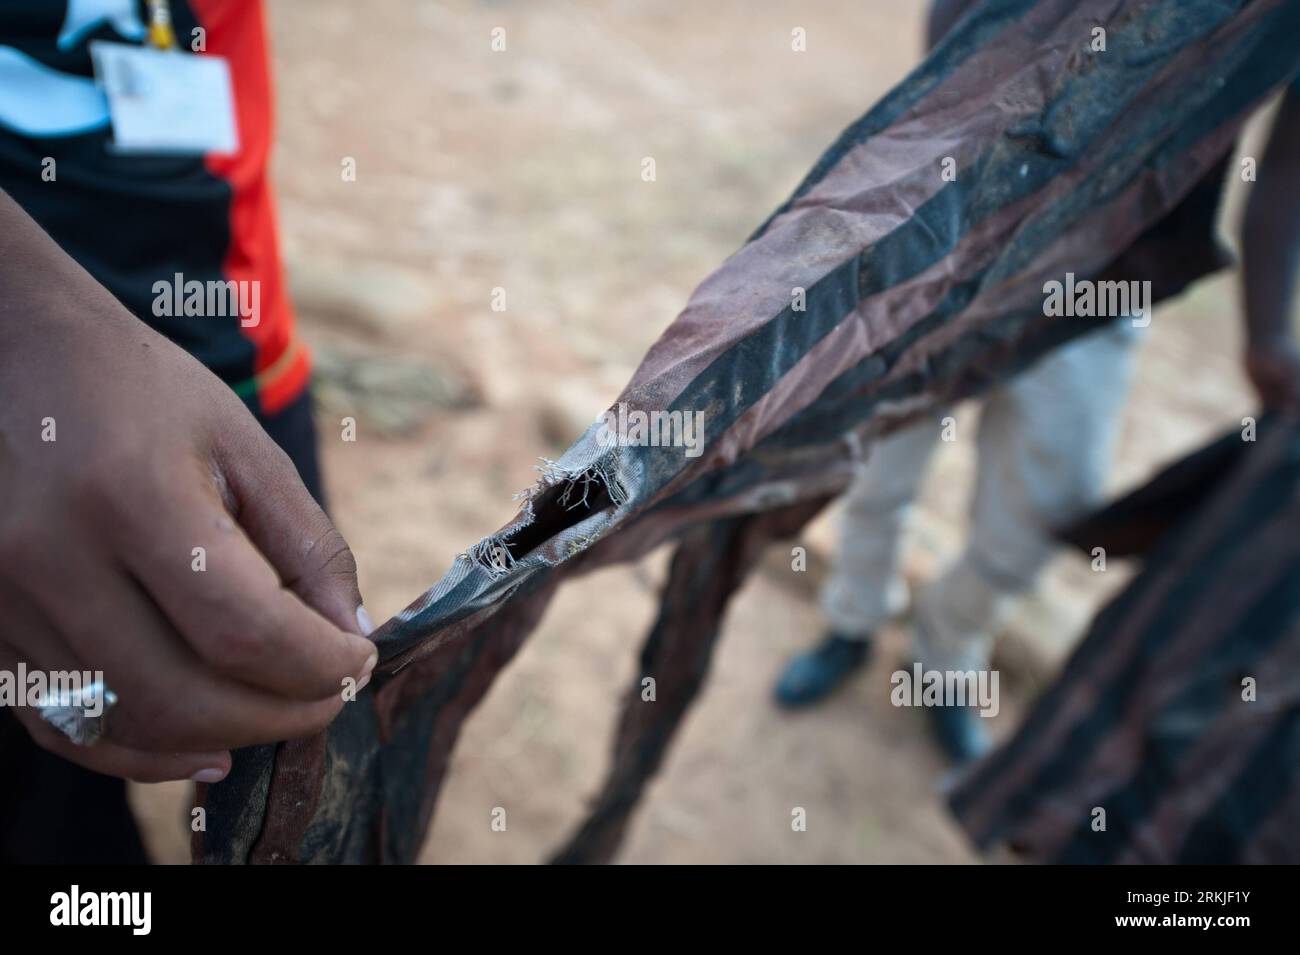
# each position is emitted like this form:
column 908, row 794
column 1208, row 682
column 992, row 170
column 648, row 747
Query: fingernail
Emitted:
column 363, row 620
column 209, row 776
column 361, row 684
column 364, row 676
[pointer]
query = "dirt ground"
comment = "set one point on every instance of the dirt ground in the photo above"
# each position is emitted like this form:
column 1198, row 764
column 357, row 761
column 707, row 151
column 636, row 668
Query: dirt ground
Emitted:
column 520, row 171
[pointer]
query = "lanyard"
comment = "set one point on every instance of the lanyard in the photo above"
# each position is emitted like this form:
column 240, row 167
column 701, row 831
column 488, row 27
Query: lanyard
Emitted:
column 161, row 34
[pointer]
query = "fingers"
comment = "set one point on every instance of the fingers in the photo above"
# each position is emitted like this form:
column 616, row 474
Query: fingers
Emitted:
column 226, row 601
column 290, row 529
column 169, row 699
column 107, row 756
column 114, row 759
column 173, row 701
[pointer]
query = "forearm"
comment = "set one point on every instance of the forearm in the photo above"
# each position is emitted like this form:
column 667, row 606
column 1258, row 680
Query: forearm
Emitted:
column 40, row 284
column 25, row 250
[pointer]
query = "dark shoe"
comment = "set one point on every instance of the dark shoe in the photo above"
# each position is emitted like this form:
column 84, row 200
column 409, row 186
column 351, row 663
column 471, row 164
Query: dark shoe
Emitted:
column 812, row 675
column 960, row 731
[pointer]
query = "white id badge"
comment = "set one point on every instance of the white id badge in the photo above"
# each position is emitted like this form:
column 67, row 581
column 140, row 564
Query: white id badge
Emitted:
column 165, row 101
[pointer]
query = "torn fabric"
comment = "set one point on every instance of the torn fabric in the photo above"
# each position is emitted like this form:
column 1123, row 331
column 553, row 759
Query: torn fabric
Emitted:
column 1172, row 735
column 879, row 291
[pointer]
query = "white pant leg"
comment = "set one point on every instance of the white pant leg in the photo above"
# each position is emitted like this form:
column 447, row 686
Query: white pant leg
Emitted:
column 1045, row 444
column 865, row 588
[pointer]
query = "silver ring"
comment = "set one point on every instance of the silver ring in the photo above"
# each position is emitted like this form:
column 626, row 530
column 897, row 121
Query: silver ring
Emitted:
column 79, row 713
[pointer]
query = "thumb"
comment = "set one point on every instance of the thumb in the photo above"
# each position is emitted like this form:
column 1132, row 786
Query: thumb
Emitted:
column 270, row 502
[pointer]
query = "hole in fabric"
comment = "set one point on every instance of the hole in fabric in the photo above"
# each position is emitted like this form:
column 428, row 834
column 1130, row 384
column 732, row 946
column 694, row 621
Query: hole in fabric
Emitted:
column 557, row 509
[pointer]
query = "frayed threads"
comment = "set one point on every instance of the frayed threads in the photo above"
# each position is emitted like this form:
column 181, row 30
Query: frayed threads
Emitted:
column 553, row 474
column 492, row 554
column 576, row 489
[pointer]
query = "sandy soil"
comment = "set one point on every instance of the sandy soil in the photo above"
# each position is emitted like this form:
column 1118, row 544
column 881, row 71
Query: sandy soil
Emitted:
column 521, row 170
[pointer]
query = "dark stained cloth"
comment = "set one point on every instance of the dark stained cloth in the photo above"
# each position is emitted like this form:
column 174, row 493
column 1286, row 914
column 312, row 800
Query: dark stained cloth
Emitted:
column 1151, row 720
column 919, row 291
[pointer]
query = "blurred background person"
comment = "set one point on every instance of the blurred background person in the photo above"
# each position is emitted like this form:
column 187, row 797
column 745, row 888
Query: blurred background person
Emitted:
column 1045, row 445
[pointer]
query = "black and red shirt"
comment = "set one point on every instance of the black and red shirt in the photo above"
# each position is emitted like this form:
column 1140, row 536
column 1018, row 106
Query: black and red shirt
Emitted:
column 133, row 220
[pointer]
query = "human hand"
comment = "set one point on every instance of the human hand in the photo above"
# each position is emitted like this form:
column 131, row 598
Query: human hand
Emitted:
column 152, row 457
